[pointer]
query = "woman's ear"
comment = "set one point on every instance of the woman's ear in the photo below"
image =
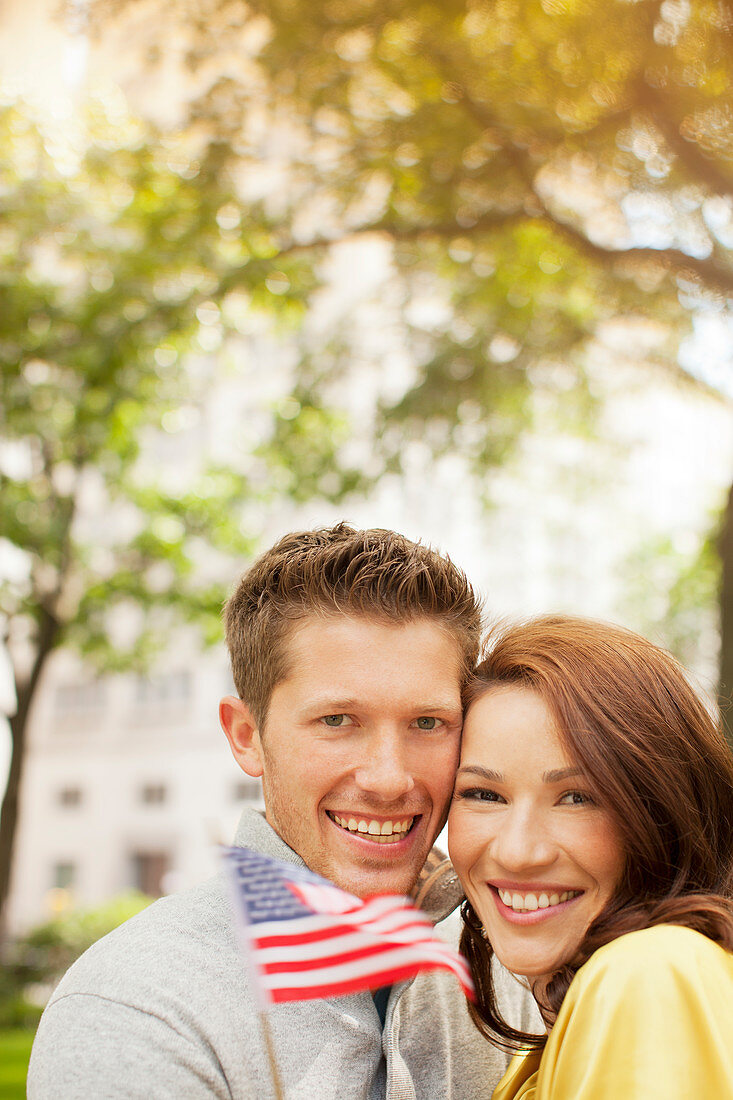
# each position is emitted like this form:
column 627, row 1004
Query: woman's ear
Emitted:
column 242, row 733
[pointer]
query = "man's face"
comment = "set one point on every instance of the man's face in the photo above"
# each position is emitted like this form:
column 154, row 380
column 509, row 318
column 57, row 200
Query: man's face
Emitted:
column 360, row 747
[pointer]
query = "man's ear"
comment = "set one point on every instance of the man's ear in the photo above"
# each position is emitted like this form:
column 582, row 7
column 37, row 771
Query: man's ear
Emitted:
column 242, row 733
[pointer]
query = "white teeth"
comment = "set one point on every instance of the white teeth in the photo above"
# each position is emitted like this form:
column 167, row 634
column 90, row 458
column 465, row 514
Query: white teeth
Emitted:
column 528, row 903
column 382, row 832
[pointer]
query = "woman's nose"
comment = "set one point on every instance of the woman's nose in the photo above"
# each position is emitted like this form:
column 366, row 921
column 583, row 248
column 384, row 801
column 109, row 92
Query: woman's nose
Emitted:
column 522, row 840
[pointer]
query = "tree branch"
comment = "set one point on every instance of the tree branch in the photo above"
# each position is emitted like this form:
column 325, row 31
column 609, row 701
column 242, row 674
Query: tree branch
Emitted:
column 696, row 163
column 707, row 272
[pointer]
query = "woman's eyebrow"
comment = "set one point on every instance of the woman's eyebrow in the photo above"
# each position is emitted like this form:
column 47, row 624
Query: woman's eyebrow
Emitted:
column 559, row 774
column 485, row 773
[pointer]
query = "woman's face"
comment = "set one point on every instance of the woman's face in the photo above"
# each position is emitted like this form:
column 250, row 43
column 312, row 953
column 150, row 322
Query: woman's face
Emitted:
column 537, row 856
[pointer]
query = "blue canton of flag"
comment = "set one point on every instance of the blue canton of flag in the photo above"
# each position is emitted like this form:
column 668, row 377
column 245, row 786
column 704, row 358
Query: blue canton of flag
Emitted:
column 306, row 938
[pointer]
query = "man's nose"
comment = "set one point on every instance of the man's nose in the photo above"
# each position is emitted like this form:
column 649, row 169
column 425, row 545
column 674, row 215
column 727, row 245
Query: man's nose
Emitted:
column 384, row 769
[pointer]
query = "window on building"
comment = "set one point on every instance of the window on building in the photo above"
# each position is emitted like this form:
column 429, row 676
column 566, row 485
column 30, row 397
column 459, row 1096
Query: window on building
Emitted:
column 168, row 687
column 153, row 794
column 63, row 875
column 75, row 698
column 148, row 871
column 247, row 790
column 70, row 797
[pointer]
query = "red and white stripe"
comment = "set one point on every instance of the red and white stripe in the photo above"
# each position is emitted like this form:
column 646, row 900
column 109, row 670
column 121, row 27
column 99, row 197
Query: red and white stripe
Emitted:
column 329, row 954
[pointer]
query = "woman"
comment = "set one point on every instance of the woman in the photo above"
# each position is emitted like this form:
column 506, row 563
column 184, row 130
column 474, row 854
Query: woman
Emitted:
column 592, row 828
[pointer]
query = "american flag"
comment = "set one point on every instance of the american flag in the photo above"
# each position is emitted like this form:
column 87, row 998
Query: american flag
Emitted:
column 306, row 938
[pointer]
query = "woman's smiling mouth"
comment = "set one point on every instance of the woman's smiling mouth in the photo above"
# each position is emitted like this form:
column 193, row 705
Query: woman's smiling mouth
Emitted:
column 389, row 831
column 524, row 906
column 529, row 902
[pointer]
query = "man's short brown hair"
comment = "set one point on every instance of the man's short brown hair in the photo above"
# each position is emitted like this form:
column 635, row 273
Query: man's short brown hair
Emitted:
column 377, row 574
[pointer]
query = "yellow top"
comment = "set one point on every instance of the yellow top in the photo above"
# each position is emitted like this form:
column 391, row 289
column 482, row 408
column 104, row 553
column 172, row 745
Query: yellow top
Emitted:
column 649, row 1017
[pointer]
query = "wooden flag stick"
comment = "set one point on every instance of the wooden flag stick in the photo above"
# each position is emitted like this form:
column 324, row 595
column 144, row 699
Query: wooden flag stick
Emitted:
column 269, row 1046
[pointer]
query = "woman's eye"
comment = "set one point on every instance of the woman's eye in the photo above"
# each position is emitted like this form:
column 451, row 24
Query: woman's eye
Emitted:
column 479, row 794
column 576, row 798
column 427, row 722
column 336, row 720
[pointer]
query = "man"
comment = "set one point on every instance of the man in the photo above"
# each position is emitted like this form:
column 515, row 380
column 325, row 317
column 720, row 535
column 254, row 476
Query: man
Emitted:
column 349, row 650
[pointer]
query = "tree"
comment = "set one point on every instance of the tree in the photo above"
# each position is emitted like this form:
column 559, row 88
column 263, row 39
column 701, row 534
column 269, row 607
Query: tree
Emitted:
column 539, row 169
column 671, row 594
column 120, row 277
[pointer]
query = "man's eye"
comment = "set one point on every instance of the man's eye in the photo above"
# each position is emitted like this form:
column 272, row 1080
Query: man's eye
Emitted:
column 335, row 720
column 427, row 722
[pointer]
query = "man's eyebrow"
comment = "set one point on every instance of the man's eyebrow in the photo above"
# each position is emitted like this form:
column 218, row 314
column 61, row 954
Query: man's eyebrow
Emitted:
column 454, row 709
column 334, row 704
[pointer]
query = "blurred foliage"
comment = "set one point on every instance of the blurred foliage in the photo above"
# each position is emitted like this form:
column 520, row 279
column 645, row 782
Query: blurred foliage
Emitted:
column 50, row 948
column 44, row 954
column 538, row 167
column 113, row 251
column 672, row 594
column 110, row 257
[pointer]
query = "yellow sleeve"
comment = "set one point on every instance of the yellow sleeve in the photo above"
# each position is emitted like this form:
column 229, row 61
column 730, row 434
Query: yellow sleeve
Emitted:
column 649, row 1017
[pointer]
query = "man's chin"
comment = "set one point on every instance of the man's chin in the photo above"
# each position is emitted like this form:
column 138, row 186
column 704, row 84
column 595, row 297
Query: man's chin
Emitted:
column 365, row 881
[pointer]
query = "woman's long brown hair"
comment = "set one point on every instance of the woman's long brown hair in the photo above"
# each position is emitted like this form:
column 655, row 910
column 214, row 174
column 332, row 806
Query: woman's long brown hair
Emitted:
column 654, row 758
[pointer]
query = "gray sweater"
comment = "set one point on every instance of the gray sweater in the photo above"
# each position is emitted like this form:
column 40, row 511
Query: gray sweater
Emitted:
column 161, row 1008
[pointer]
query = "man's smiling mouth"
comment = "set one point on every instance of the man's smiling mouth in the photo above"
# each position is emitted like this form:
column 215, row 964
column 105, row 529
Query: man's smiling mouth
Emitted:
column 380, row 832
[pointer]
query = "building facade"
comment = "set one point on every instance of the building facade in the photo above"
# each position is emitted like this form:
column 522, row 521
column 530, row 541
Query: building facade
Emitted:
column 129, row 784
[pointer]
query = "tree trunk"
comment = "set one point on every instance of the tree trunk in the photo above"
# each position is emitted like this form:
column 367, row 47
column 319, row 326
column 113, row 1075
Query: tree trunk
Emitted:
column 47, row 636
column 725, row 683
